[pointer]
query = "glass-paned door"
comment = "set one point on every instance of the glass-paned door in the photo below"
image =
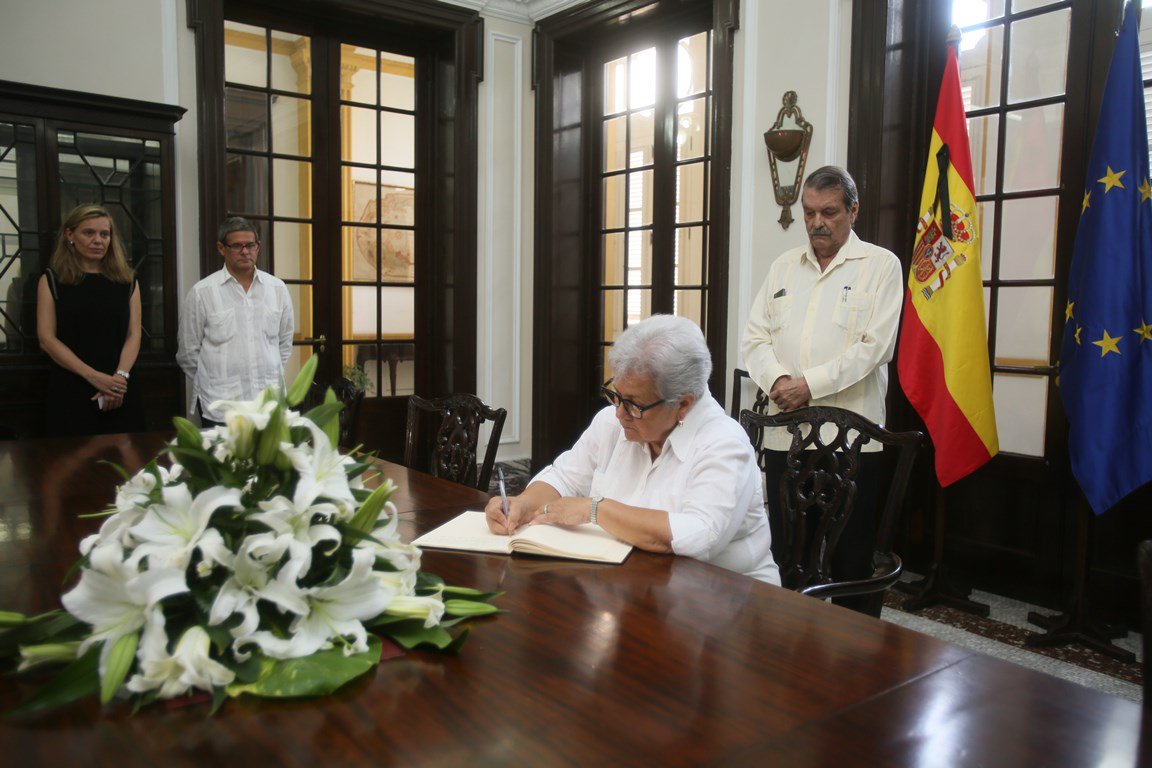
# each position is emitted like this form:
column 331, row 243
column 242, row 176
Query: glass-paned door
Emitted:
column 268, row 160
column 655, row 135
column 378, row 216
column 1013, row 72
column 355, row 302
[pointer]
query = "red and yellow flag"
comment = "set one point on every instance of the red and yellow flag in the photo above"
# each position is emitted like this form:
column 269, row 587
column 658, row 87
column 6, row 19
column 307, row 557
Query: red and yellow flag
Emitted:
column 943, row 351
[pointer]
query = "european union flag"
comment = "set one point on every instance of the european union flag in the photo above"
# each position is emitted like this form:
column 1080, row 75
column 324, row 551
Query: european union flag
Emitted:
column 1106, row 358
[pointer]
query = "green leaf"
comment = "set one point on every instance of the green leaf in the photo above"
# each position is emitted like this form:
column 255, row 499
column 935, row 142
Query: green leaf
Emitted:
column 79, row 679
column 219, row 696
column 303, row 382
column 427, row 583
column 118, row 469
column 410, row 636
column 324, row 414
column 120, row 660
column 320, row 674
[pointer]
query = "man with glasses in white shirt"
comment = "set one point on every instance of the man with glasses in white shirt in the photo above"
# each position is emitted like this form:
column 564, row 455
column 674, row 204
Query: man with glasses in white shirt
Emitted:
column 821, row 332
column 235, row 327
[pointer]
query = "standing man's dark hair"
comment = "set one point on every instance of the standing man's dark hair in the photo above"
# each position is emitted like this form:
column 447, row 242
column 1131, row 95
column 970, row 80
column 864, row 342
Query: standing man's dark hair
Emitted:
column 834, row 177
column 235, row 224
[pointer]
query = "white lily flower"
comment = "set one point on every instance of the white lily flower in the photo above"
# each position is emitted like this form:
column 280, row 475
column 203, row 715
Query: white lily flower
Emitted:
column 137, row 492
column 187, row 667
column 292, row 521
column 171, row 531
column 322, row 470
column 115, row 597
column 397, row 582
column 429, row 608
column 132, row 500
column 249, row 582
column 242, row 420
column 335, row 611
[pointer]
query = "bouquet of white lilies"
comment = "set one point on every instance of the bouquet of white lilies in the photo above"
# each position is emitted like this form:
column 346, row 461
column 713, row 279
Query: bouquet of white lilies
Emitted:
column 256, row 562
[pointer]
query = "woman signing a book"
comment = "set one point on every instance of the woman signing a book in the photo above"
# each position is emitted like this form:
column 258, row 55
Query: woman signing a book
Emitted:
column 663, row 467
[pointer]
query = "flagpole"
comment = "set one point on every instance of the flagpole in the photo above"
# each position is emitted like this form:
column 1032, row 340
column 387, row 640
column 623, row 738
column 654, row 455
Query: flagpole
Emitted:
column 1075, row 625
column 945, row 374
column 935, row 588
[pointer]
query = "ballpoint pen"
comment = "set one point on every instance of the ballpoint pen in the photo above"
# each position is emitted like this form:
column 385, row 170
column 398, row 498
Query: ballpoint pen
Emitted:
column 503, row 490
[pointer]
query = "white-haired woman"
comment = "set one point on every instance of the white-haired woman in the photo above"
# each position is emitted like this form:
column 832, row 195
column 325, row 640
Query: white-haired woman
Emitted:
column 663, row 468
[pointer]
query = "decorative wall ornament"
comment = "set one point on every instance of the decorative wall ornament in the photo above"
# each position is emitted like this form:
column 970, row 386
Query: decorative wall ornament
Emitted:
column 787, row 143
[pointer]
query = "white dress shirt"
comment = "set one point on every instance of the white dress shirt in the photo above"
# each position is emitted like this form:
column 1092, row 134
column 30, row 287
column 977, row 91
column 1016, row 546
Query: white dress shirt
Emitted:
column 705, row 478
column 233, row 343
column 836, row 328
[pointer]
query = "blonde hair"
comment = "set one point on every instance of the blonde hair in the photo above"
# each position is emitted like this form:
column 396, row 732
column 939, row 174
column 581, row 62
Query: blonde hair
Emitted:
column 66, row 264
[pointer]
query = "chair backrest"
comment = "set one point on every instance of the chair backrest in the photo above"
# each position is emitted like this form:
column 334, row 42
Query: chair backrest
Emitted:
column 444, row 434
column 759, row 404
column 1144, row 564
column 818, row 490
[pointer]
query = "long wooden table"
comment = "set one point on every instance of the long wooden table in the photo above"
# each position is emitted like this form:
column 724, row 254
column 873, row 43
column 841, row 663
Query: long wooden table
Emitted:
column 661, row 661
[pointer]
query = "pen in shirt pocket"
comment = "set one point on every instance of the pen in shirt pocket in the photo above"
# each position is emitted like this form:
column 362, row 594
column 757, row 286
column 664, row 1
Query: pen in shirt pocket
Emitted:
column 844, row 295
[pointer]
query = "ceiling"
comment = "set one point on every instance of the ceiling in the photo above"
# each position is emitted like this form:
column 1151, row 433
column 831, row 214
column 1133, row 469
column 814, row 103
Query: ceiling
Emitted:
column 526, row 11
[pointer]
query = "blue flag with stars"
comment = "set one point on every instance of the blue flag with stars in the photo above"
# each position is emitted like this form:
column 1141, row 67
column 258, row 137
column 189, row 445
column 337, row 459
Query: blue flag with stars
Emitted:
column 1106, row 356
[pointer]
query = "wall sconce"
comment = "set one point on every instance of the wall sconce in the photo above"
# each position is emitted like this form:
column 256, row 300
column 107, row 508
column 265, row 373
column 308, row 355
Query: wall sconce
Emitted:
column 785, row 144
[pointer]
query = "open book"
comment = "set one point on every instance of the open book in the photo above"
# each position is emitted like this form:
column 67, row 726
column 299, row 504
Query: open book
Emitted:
column 469, row 532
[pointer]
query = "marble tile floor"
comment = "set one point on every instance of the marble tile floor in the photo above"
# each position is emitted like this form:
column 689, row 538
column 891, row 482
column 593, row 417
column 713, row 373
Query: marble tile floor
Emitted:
column 1002, row 634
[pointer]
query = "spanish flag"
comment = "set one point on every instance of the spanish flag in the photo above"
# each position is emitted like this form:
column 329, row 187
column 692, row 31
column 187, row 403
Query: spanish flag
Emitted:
column 943, row 350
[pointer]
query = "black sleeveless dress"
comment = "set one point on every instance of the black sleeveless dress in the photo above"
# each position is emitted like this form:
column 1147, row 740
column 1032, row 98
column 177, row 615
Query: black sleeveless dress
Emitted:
column 92, row 319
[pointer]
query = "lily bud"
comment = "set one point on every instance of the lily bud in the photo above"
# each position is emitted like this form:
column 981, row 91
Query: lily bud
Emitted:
column 303, row 382
column 269, row 446
column 47, row 653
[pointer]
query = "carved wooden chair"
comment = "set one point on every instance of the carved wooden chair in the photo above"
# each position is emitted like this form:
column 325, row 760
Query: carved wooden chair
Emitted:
column 1144, row 563
column 444, row 435
column 818, row 491
column 759, row 405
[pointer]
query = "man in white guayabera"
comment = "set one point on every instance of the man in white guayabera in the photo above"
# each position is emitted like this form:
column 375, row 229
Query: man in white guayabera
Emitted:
column 235, row 326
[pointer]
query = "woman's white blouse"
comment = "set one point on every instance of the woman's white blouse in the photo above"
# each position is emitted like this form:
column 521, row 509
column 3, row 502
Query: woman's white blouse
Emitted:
column 706, row 479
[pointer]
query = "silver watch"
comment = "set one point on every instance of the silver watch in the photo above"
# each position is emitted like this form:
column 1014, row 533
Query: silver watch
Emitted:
column 595, row 504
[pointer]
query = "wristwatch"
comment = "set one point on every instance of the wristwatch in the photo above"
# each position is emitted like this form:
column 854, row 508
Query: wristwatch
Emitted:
column 595, row 503
column 123, row 373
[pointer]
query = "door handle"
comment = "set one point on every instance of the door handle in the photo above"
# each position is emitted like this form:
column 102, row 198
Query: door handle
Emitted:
column 319, row 341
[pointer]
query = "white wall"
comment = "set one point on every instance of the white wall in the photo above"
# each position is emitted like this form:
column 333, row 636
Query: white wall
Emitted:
column 781, row 46
column 504, row 322
column 111, row 48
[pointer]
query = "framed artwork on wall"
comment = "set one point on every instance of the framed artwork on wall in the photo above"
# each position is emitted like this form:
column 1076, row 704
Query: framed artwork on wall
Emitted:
column 396, row 206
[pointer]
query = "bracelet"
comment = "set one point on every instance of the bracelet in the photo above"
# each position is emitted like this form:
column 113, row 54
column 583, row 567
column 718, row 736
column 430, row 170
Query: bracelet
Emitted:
column 595, row 503
column 125, row 374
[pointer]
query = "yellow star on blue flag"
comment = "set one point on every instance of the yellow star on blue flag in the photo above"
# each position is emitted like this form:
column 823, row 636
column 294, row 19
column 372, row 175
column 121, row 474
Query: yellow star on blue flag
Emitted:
column 1108, row 397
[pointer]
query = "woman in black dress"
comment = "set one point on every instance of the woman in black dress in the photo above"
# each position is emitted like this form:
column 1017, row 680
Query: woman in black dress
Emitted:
column 88, row 322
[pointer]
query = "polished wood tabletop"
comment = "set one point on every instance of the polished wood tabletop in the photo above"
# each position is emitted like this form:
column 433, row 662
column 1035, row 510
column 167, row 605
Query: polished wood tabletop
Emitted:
column 660, row 661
